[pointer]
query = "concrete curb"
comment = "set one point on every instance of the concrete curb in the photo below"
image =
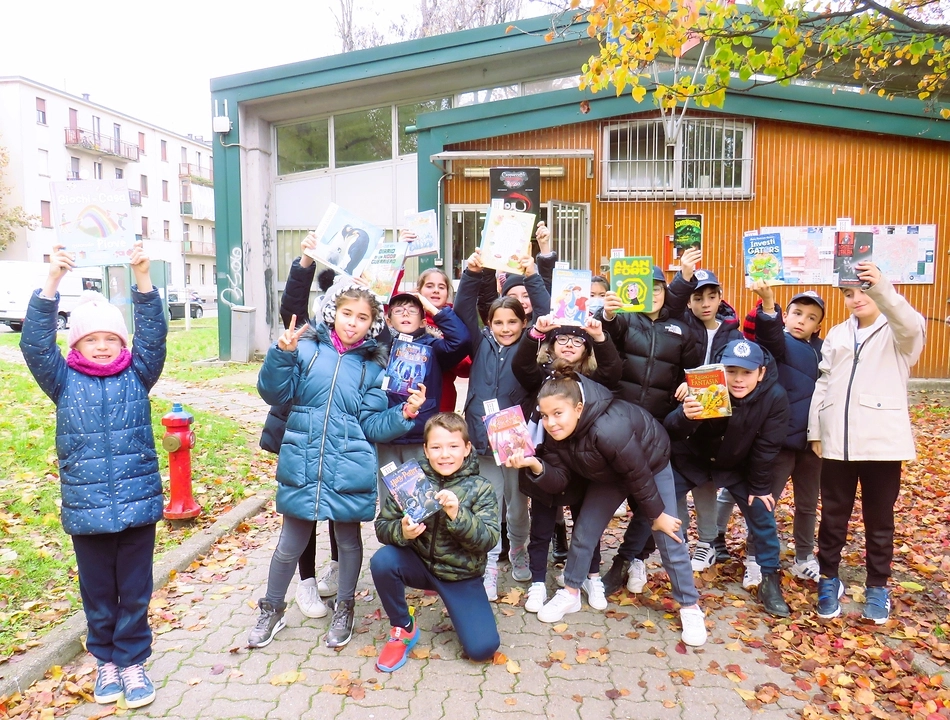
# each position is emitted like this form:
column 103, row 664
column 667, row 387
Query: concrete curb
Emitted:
column 64, row 643
column 924, row 384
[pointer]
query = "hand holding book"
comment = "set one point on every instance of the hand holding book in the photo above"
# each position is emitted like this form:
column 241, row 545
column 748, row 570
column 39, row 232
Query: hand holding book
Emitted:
column 411, row 530
column 450, row 503
column 414, row 402
column 517, row 459
column 689, row 261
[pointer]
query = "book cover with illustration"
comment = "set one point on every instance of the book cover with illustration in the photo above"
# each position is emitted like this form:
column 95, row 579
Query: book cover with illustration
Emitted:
column 632, row 279
column 707, row 384
column 382, row 271
column 506, row 238
column 851, row 247
column 93, row 219
column 507, row 432
column 345, row 242
column 762, row 257
column 687, row 233
column 570, row 294
column 425, row 225
column 411, row 489
column 407, row 366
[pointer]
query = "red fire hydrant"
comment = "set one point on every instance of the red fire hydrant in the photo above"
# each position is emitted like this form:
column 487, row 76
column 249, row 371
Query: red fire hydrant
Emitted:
column 178, row 441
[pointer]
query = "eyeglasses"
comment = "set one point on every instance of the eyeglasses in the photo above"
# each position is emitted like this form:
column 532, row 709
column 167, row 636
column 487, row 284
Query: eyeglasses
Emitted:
column 405, row 311
column 565, row 340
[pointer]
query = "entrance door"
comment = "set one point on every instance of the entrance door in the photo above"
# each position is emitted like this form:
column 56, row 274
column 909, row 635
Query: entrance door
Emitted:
column 570, row 232
column 463, row 230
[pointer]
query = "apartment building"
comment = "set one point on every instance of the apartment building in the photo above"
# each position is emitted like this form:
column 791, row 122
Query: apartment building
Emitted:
column 53, row 136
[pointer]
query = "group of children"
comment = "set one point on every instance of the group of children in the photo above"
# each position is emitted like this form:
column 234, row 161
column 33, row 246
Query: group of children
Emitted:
column 606, row 403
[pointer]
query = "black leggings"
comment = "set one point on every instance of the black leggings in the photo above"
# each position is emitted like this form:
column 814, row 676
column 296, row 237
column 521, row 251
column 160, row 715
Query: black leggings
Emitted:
column 307, row 564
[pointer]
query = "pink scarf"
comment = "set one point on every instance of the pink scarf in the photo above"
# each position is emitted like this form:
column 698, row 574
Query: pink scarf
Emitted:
column 338, row 344
column 77, row 362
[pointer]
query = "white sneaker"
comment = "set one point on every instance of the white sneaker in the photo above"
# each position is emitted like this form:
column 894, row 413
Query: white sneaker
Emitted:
column 752, row 577
column 594, row 587
column 563, row 602
column 694, row 626
column 520, row 570
column 308, row 599
column 537, row 596
column 637, row 579
column 328, row 580
column 491, row 583
column 560, row 579
column 704, row 556
column 621, row 512
column 806, row 570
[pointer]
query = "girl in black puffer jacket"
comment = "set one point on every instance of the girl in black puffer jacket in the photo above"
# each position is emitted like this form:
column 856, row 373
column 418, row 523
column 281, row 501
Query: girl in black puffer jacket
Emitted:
column 620, row 451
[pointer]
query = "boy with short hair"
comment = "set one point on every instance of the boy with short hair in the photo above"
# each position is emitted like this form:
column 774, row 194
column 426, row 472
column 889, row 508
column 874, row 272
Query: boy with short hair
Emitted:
column 737, row 453
column 796, row 347
column 447, row 553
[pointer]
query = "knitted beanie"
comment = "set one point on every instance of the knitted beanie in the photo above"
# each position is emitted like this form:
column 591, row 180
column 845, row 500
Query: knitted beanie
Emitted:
column 94, row 313
column 512, row 280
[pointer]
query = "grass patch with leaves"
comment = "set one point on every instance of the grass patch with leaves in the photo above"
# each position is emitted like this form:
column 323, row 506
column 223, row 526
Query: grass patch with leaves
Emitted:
column 38, row 584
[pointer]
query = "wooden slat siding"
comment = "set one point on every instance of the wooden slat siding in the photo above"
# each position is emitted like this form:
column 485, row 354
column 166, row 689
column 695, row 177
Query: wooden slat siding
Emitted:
column 803, row 176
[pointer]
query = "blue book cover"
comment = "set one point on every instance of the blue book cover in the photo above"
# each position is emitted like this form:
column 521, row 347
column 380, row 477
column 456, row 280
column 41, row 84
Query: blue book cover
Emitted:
column 407, row 366
column 411, row 489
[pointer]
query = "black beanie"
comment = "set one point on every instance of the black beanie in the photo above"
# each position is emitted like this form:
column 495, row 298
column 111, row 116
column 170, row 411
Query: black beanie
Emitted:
column 512, row 280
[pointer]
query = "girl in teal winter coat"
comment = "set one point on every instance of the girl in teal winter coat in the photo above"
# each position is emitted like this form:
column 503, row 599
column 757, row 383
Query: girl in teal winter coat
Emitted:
column 331, row 374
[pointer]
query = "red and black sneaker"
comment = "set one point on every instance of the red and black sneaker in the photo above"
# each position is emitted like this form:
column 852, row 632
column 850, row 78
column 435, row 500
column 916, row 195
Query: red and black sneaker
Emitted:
column 397, row 648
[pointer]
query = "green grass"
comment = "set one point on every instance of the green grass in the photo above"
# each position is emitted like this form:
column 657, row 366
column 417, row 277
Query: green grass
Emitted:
column 38, row 584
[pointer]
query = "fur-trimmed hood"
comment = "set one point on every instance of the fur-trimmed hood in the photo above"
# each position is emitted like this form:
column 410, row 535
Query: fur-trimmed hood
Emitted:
column 372, row 350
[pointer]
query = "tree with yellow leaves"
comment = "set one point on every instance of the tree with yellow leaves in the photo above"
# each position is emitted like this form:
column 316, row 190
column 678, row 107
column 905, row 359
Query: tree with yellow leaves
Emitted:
column 12, row 217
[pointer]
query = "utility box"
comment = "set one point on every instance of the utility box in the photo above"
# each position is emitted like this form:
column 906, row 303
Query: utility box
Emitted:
column 242, row 332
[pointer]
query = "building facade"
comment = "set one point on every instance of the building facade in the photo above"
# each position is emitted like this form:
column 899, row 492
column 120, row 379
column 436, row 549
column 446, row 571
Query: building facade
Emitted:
column 416, row 126
column 53, row 136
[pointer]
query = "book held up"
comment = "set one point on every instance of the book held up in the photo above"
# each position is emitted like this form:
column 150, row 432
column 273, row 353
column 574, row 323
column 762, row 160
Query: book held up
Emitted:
column 407, row 365
column 570, row 294
column 762, row 258
column 632, row 279
column 345, row 242
column 707, row 384
column 506, row 238
column 508, row 432
column 411, row 489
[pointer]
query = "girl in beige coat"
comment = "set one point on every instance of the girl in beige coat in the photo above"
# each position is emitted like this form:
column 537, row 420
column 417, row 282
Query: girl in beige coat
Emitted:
column 859, row 424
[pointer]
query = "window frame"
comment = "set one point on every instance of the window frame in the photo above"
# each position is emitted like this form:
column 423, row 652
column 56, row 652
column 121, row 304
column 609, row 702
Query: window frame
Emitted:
column 145, row 233
column 143, row 185
column 41, row 111
column 164, row 149
column 165, row 190
column 46, row 213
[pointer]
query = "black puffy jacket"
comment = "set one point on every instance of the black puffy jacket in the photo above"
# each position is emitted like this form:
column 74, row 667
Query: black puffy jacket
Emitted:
column 735, row 449
column 677, row 302
column 614, row 442
column 654, row 353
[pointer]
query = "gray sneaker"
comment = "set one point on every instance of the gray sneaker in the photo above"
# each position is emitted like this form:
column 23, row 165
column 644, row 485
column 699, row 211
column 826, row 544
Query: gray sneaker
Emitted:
column 519, row 564
column 328, row 581
column 270, row 622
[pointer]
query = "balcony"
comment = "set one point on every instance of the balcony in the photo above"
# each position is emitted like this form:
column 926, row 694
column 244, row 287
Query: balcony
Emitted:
column 201, row 175
column 135, row 198
column 199, row 248
column 101, row 145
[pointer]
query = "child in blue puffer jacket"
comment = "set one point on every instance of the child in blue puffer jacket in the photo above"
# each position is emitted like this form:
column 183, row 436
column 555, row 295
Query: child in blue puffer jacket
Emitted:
column 108, row 467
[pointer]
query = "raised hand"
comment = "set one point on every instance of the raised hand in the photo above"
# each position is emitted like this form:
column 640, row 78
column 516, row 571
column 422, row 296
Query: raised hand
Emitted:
column 689, row 261
column 868, row 273
column 427, row 304
column 414, row 402
column 308, row 243
column 545, row 324
column 543, row 236
column 288, row 339
column 406, row 235
column 474, row 262
column 60, row 263
column 595, row 328
column 612, row 303
column 764, row 291
column 528, row 265
column 140, row 265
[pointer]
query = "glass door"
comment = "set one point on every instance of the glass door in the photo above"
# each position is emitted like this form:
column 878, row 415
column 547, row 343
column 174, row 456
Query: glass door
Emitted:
column 570, row 232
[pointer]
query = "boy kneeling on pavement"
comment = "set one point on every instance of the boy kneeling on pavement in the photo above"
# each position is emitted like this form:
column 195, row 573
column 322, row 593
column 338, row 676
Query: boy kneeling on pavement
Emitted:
column 737, row 453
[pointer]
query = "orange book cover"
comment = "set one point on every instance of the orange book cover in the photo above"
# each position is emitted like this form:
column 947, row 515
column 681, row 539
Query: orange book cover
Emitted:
column 708, row 385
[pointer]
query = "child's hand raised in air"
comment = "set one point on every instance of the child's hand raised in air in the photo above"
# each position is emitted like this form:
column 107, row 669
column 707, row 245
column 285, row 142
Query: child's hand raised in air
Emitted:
column 764, row 291
column 450, row 503
column 669, row 525
column 411, row 530
column 528, row 265
column 60, row 263
column 689, row 261
column 543, row 236
column 140, row 264
column 612, row 303
column 545, row 324
column 427, row 304
column 288, row 339
column 595, row 328
column 518, row 460
column 406, row 235
column 308, row 243
column 414, row 402
column 868, row 273
column 474, row 262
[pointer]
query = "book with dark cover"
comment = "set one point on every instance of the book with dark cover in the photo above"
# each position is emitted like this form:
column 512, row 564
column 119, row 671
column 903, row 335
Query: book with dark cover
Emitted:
column 407, row 366
column 851, row 247
column 507, row 432
column 411, row 489
column 687, row 233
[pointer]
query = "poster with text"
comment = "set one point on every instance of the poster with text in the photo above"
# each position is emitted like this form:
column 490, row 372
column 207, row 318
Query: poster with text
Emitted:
column 517, row 189
column 93, row 219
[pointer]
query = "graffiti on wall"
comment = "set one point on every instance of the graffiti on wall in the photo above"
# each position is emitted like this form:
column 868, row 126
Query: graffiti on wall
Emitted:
column 267, row 258
column 233, row 294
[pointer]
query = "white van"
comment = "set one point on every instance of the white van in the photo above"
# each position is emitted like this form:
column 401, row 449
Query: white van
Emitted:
column 18, row 280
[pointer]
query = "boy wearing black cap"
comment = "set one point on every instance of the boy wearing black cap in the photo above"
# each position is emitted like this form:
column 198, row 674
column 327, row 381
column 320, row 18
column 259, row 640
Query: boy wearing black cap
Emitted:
column 796, row 347
column 737, row 453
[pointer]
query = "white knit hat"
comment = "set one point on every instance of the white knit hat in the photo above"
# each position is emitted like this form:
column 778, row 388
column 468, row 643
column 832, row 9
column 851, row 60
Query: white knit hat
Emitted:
column 94, row 313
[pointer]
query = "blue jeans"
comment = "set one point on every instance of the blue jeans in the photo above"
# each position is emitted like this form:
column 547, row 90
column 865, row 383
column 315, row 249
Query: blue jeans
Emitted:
column 759, row 519
column 395, row 568
column 115, row 582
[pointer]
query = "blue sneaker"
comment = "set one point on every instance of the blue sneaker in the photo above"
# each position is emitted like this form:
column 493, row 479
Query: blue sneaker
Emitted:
column 830, row 591
column 139, row 690
column 877, row 604
column 108, row 684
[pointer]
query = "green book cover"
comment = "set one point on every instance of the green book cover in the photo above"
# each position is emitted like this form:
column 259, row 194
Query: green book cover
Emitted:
column 632, row 279
column 687, row 233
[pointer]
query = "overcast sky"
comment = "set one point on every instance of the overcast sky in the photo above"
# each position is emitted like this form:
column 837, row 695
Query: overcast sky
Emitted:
column 154, row 61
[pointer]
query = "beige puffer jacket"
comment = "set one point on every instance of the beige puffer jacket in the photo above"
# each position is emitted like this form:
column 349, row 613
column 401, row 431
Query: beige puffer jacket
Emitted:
column 859, row 409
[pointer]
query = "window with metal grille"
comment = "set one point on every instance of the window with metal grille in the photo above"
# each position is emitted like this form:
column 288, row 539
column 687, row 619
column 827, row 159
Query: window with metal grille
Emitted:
column 711, row 158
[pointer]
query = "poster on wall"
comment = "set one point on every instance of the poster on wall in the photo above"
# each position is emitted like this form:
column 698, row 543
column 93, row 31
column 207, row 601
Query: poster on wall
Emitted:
column 517, row 189
column 93, row 219
column 904, row 253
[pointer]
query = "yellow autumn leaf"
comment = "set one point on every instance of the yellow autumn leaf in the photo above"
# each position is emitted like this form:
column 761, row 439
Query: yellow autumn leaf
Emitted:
column 287, row 678
column 745, row 694
column 638, row 93
column 56, row 672
column 560, row 627
column 912, row 586
column 945, row 113
column 513, row 667
column 367, row 651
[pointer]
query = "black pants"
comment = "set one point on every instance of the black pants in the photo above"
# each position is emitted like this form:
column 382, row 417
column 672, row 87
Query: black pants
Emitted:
column 307, row 564
column 880, row 486
column 115, row 582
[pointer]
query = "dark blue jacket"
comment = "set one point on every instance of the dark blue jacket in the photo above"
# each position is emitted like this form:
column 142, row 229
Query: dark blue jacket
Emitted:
column 450, row 350
column 108, row 467
column 491, row 376
column 326, row 469
column 797, row 371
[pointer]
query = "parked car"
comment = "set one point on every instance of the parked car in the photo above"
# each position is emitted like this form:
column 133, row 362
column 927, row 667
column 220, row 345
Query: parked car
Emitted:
column 176, row 306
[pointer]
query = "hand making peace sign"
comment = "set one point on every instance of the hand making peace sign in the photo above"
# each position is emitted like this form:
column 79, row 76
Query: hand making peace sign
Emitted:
column 288, row 339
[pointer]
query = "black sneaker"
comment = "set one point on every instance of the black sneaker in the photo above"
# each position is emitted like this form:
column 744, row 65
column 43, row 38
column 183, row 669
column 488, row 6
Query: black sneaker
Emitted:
column 770, row 595
column 270, row 622
column 616, row 577
column 722, row 552
column 341, row 625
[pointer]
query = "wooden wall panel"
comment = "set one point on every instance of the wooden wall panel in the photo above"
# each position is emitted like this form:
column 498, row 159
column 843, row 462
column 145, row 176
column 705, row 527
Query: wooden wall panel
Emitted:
column 803, row 176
